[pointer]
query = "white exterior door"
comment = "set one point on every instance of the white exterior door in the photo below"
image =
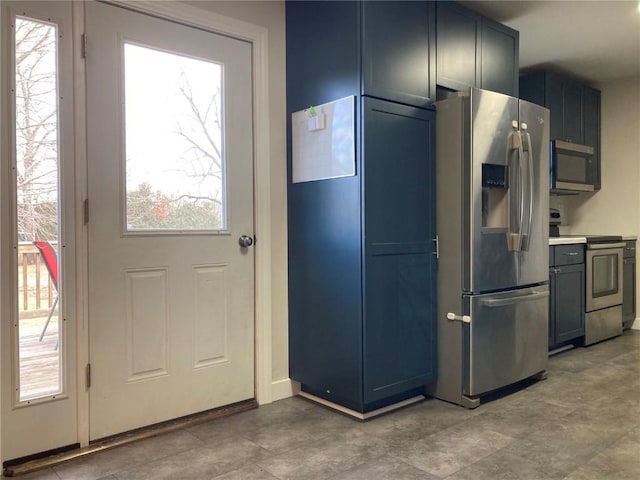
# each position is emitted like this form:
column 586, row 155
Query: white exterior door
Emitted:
column 170, row 186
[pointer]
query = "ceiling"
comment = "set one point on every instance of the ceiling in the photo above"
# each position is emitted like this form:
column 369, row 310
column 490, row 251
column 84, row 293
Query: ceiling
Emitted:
column 594, row 41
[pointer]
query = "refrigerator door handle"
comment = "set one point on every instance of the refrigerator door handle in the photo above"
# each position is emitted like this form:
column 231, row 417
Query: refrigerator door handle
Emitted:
column 501, row 302
column 528, row 148
column 516, row 194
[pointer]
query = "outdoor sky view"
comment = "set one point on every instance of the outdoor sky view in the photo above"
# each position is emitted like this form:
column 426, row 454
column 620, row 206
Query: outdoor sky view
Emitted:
column 36, row 130
column 174, row 150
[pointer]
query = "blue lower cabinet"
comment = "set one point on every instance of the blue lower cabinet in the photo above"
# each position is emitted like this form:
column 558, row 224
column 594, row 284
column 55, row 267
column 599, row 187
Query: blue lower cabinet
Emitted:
column 362, row 271
column 400, row 269
column 567, row 289
column 629, row 285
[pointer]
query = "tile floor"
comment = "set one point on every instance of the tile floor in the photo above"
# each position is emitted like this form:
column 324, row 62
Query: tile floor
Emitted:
column 583, row 422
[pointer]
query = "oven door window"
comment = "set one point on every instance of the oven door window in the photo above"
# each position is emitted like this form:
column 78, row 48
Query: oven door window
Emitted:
column 605, row 275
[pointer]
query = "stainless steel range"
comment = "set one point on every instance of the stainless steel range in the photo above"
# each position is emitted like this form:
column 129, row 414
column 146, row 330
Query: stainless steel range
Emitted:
column 604, row 267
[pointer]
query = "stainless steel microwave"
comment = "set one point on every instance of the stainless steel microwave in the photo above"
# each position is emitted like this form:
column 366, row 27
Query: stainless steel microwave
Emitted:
column 571, row 167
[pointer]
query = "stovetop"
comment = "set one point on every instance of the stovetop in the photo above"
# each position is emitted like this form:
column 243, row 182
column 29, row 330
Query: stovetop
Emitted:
column 597, row 238
column 603, row 238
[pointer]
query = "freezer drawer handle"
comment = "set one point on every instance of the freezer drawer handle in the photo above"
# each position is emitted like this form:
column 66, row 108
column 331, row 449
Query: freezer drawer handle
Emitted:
column 460, row 318
column 501, row 302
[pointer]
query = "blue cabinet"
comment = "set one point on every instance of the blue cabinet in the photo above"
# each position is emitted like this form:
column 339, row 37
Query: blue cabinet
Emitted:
column 361, row 257
column 458, row 49
column 572, row 115
column 629, row 284
column 399, row 261
column 574, row 111
column 500, row 57
column 398, row 51
column 591, row 127
column 474, row 51
column 567, row 294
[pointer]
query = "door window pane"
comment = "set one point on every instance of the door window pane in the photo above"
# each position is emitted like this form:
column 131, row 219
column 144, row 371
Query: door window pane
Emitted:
column 37, row 194
column 175, row 173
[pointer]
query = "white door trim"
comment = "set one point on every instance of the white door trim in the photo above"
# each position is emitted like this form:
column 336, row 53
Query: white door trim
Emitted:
column 258, row 37
column 4, row 152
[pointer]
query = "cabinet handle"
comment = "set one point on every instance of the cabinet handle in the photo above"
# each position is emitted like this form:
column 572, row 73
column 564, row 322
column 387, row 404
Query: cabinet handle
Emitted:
column 571, row 254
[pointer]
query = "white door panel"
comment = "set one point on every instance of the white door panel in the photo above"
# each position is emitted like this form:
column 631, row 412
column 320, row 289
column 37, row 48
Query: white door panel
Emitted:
column 171, row 300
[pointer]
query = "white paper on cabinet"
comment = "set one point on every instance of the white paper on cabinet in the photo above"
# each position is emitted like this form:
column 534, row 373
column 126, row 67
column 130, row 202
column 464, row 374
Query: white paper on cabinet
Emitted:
column 328, row 152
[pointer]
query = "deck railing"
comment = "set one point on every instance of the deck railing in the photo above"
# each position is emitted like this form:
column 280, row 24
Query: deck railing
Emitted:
column 36, row 291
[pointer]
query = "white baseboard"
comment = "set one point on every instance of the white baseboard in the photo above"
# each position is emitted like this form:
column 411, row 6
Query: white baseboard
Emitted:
column 284, row 389
column 635, row 325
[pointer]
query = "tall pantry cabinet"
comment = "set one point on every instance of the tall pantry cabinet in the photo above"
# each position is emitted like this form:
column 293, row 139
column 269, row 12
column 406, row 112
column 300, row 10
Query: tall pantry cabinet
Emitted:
column 362, row 330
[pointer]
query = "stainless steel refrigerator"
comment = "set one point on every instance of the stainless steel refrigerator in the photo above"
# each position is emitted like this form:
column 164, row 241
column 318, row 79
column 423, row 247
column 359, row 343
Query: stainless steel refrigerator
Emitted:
column 492, row 226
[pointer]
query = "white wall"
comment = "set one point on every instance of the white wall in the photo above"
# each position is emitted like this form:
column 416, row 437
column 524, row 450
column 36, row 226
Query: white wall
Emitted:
column 270, row 14
column 616, row 208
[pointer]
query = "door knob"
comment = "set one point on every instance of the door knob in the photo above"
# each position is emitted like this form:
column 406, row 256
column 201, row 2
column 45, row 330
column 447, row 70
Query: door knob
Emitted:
column 245, row 241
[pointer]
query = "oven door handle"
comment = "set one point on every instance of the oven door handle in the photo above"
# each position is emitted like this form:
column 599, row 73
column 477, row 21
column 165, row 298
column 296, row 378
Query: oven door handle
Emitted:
column 604, row 246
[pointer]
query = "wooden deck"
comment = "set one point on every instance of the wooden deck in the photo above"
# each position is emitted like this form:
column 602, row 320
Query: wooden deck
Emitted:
column 39, row 360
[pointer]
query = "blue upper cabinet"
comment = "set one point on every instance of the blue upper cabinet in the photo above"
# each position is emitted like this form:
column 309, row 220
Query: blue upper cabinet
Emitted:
column 398, row 51
column 458, row 49
column 574, row 111
column 591, row 127
column 323, row 52
column 499, row 58
column 474, row 51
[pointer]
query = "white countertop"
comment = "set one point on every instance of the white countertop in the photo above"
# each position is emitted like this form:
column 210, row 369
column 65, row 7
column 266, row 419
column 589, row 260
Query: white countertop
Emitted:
column 566, row 240
column 629, row 237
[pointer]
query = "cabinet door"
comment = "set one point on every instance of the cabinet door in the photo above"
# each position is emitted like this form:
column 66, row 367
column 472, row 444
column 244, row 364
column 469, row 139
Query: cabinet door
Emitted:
column 458, row 49
column 591, row 128
column 555, row 104
column 629, row 290
column 499, row 65
column 552, row 307
column 399, row 51
column 572, row 112
column 569, row 302
column 399, row 225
